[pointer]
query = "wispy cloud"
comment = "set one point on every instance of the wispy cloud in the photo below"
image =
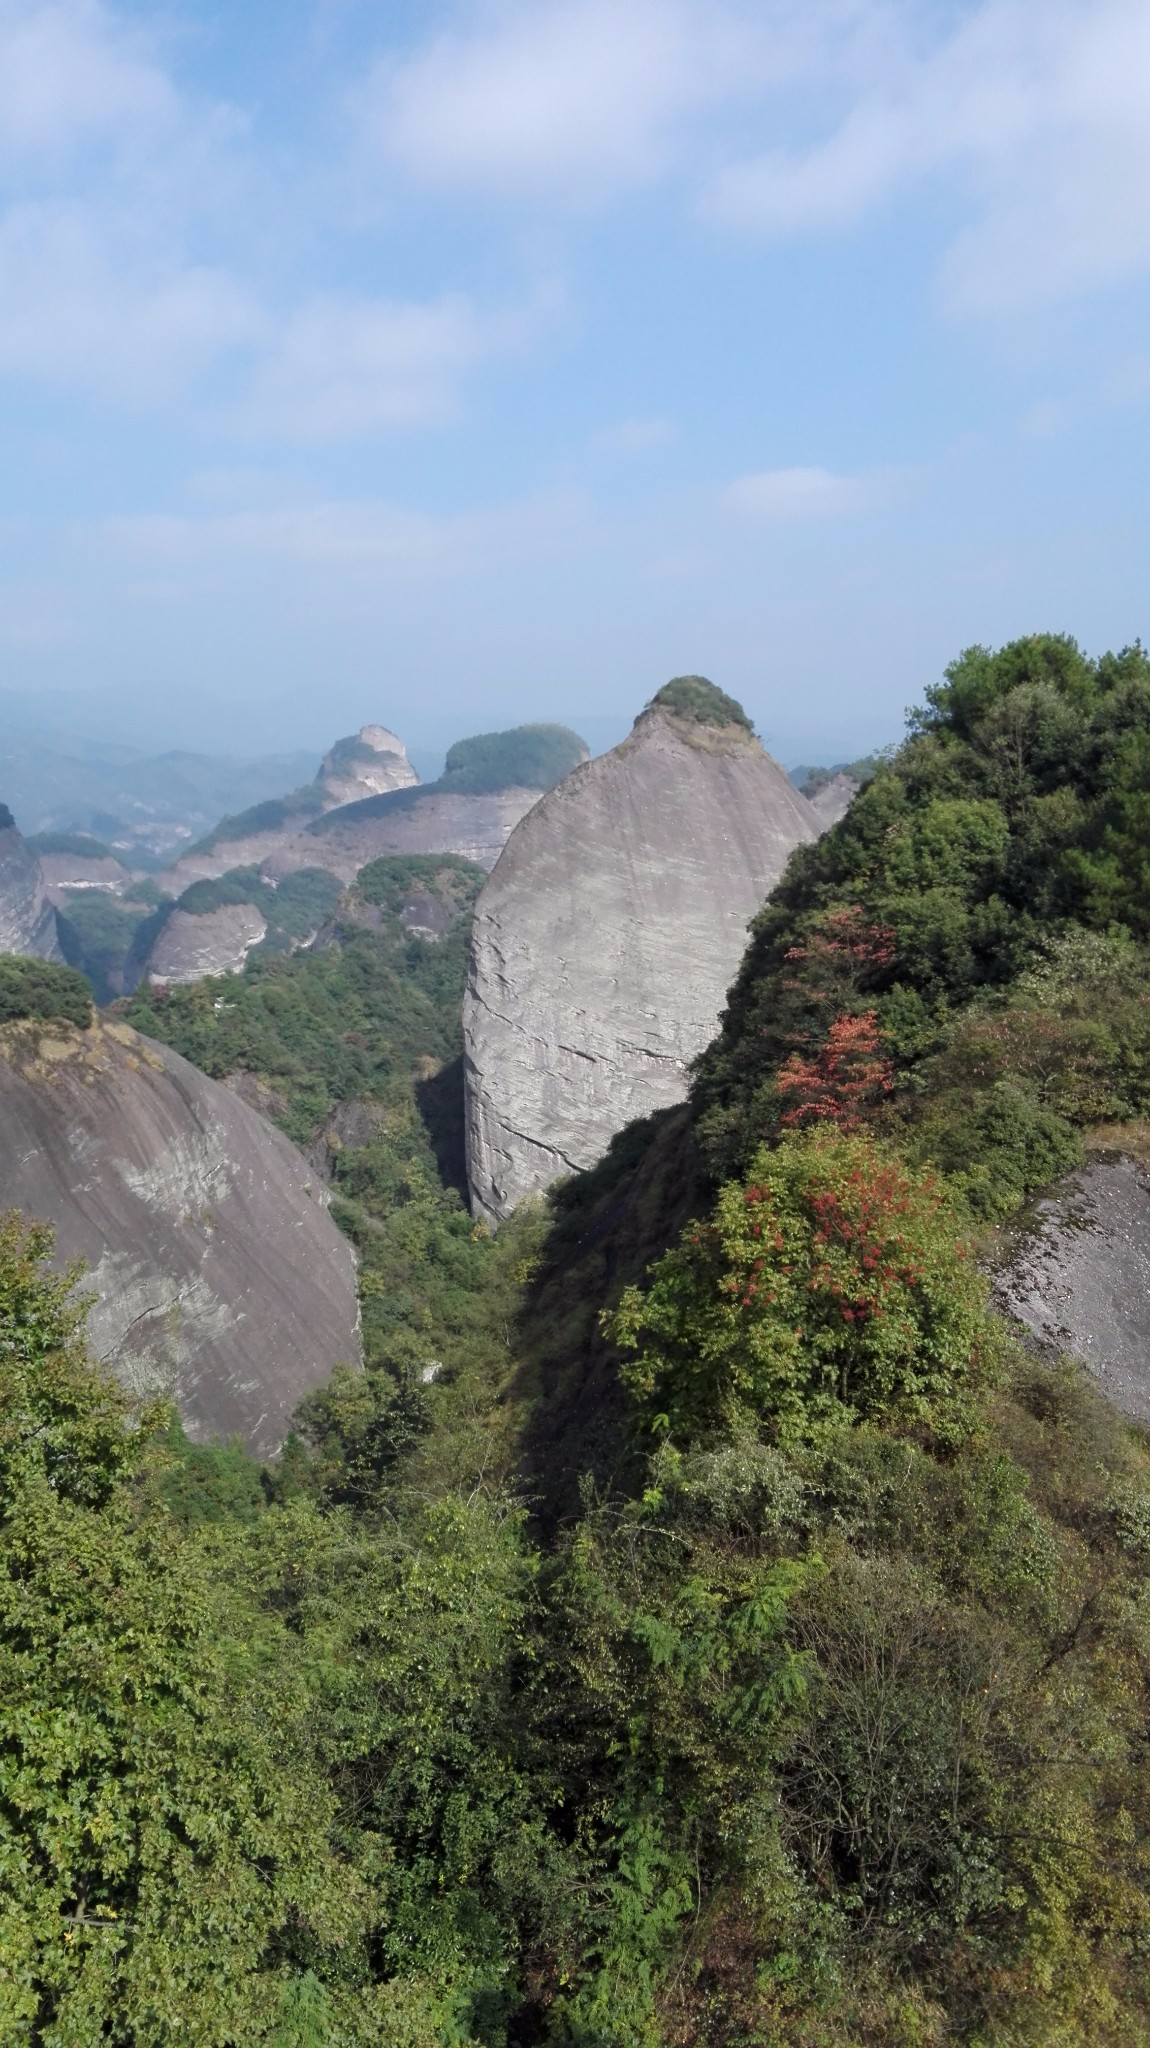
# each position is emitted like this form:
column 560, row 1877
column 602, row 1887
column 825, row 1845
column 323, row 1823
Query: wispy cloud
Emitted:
column 355, row 535
column 568, row 99
column 72, row 71
column 341, row 366
column 787, row 495
column 1040, row 115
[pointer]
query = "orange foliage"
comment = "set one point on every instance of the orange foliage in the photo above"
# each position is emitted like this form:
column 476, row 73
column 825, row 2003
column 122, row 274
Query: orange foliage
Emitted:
column 847, row 1075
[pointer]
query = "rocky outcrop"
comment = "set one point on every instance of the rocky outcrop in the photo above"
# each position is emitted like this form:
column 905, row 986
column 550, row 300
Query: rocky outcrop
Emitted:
column 68, row 871
column 1078, row 1277
column 607, row 935
column 219, row 1278
column 190, row 945
column 489, row 783
column 370, row 764
column 475, row 824
column 27, row 918
column 832, row 799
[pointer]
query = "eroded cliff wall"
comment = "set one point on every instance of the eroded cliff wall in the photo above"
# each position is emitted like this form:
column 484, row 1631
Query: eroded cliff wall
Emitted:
column 605, row 940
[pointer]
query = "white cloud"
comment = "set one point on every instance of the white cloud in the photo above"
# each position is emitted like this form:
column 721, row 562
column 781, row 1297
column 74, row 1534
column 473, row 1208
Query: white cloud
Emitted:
column 349, row 366
column 787, row 495
column 75, row 311
column 567, row 97
column 1041, row 112
column 635, row 437
column 355, row 535
column 69, row 72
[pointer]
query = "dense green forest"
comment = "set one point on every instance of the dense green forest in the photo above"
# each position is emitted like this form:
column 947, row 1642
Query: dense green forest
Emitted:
column 734, row 1636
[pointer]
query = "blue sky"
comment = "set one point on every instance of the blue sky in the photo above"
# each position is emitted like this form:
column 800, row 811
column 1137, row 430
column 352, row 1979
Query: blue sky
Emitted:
column 461, row 363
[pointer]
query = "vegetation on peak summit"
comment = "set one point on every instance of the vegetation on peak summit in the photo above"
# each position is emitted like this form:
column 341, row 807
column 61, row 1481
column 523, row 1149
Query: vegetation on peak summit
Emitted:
column 526, row 756
column 693, row 697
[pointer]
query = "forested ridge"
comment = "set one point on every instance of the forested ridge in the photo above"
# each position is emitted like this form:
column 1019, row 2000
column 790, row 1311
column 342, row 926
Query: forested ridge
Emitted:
column 809, row 1705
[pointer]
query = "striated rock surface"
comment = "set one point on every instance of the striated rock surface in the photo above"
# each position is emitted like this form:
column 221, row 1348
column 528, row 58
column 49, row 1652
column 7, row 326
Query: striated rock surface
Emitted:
column 833, row 799
column 68, row 871
column 608, row 933
column 475, row 824
column 220, row 1279
column 193, row 944
column 1078, row 1277
column 27, row 918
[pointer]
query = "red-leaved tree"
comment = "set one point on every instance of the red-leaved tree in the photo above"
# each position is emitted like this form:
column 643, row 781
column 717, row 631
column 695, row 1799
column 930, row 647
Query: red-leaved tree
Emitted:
column 847, row 1075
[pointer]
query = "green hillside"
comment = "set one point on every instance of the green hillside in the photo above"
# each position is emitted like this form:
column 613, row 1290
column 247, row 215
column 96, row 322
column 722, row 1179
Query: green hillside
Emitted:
column 702, row 1622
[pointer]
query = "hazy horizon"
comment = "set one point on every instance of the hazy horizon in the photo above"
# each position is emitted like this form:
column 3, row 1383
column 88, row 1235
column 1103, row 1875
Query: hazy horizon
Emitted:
column 462, row 364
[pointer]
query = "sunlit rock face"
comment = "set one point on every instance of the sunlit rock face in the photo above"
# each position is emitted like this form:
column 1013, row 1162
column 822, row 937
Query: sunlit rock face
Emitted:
column 27, row 918
column 192, row 944
column 833, row 799
column 605, row 940
column 369, row 764
column 220, row 1280
column 1078, row 1276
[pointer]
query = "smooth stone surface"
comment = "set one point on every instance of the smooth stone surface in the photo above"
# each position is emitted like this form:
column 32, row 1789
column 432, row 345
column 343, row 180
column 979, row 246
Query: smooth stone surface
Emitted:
column 194, row 943
column 604, row 943
column 1078, row 1280
column 834, row 799
column 220, row 1279
column 27, row 918
column 415, row 820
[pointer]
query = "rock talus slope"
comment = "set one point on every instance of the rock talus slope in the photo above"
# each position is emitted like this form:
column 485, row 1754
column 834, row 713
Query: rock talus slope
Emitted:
column 220, row 1279
column 1078, row 1279
column 27, row 918
column 605, row 940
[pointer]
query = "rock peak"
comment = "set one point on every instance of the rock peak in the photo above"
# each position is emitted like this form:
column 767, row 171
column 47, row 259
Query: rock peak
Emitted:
column 607, row 935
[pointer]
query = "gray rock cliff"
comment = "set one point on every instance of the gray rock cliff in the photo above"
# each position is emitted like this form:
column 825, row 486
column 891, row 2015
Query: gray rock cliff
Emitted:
column 191, row 944
column 369, row 764
column 27, row 918
column 382, row 808
column 607, row 935
column 220, row 1279
column 1078, row 1276
column 833, row 799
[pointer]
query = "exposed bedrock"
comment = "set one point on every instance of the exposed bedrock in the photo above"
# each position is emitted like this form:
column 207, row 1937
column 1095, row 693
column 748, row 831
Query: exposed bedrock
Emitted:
column 220, row 1279
column 1078, row 1277
column 27, row 918
column 475, row 825
column 192, row 944
column 833, row 799
column 367, row 765
column 605, row 940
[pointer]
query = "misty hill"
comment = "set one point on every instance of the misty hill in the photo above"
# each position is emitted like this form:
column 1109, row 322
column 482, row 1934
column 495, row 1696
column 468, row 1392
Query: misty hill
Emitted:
column 607, row 935
column 145, row 804
column 488, row 784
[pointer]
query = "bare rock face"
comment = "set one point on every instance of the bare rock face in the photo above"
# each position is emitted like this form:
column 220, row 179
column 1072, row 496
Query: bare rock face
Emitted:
column 368, row 801
column 27, row 918
column 607, row 935
column 71, row 871
column 833, row 799
column 220, row 1279
column 368, row 765
column 476, row 825
column 1078, row 1277
column 192, row 944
